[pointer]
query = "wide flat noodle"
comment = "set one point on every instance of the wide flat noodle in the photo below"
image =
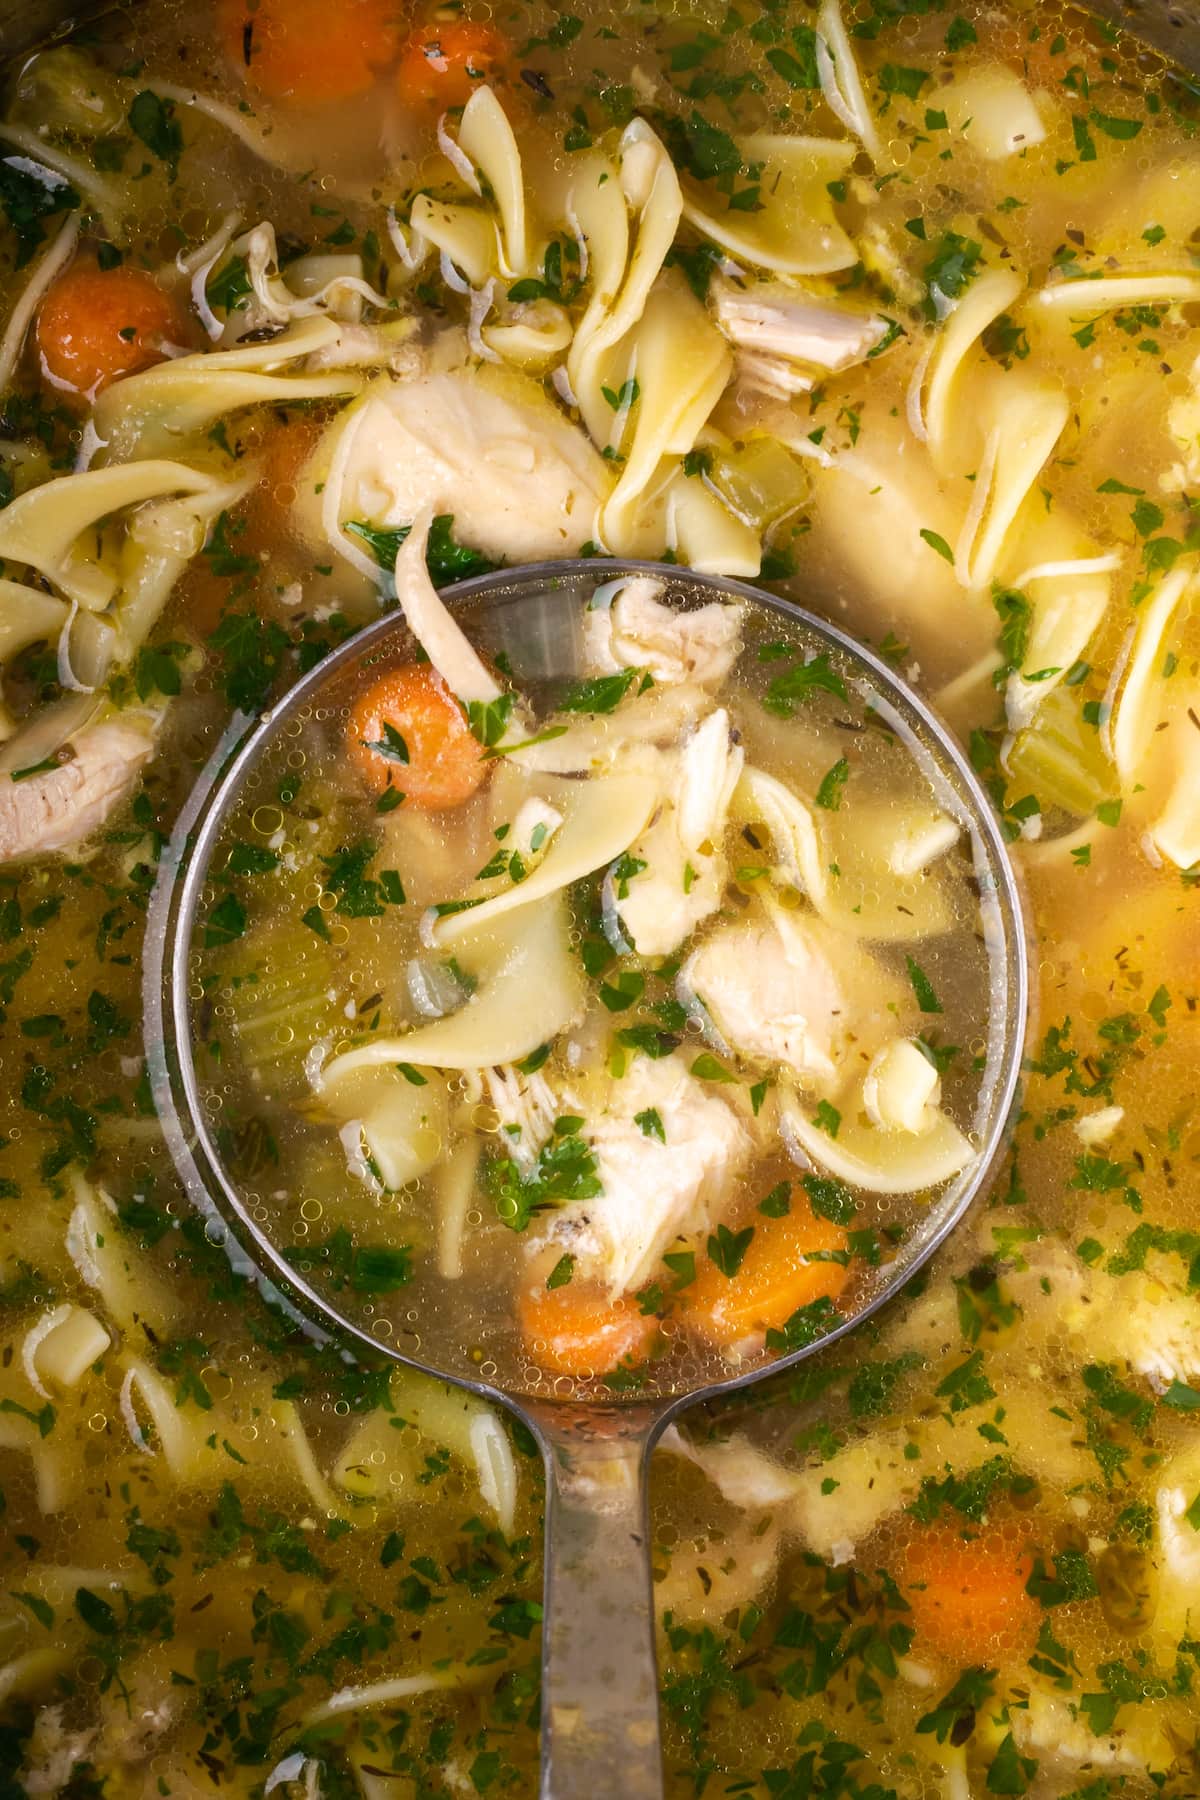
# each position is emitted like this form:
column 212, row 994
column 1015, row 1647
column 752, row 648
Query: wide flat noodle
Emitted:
column 875, row 1159
column 463, row 232
column 649, row 183
column 704, row 534
column 1068, row 583
column 795, row 231
column 681, row 363
column 40, row 528
column 840, row 80
column 530, row 989
column 867, row 908
column 1145, row 697
column 486, row 138
column 162, row 539
column 600, row 820
column 26, row 614
column 147, row 414
column 983, row 302
column 1023, row 421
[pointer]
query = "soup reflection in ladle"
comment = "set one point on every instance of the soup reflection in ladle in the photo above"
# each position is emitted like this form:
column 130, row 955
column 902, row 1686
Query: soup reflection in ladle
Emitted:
column 600, row 1728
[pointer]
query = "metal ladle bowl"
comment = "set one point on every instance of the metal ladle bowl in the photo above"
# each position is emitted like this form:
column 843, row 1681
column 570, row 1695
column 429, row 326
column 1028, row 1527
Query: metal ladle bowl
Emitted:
column 600, row 1697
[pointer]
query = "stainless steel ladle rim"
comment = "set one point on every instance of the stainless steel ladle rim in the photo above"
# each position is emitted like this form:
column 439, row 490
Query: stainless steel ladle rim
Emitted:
column 165, row 973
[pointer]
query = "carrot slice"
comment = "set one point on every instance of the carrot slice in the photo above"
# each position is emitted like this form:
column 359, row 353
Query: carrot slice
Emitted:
column 309, row 52
column 281, row 456
column 777, row 1276
column 577, row 1330
column 408, row 731
column 967, row 1594
column 95, row 325
column 442, row 65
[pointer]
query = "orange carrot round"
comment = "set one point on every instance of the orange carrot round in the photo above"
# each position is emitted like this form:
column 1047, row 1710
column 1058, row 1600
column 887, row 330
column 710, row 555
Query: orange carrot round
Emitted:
column 308, row 52
column 442, row 64
column 578, row 1330
column 95, row 325
column 967, row 1594
column 409, row 732
column 778, row 1274
column 281, row 456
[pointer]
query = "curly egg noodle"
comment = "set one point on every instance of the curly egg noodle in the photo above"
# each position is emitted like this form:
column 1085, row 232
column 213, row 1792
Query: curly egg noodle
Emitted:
column 609, row 1011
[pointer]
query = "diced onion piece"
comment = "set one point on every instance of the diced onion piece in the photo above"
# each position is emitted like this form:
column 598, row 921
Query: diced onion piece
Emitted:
column 1097, row 1127
column 922, row 841
column 73, row 1340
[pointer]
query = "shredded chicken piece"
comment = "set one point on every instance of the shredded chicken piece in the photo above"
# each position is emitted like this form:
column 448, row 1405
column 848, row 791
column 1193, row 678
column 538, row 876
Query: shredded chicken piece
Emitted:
column 746, row 1476
column 58, row 809
column 772, row 320
column 526, row 1107
column 771, row 992
column 771, row 375
column 653, row 1192
column 639, row 632
column 521, row 481
column 684, row 874
column 1051, row 1728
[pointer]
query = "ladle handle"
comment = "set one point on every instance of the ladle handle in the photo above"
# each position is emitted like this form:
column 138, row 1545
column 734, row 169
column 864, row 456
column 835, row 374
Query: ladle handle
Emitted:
column 600, row 1736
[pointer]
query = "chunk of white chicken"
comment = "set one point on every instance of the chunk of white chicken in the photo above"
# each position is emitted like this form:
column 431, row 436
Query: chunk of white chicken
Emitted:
column 771, row 992
column 639, row 632
column 1050, row 1727
column 1178, row 1547
column 771, row 375
column 58, row 809
column 1157, row 1328
column 683, row 874
column 746, row 1476
column 53, row 1752
column 1097, row 1127
column 787, row 338
column 526, row 1107
column 835, row 1503
column 523, row 484
column 771, row 319
column 707, row 1580
column 652, row 1192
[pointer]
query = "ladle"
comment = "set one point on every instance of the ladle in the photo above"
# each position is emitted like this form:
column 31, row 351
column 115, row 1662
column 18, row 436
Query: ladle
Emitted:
column 600, row 1694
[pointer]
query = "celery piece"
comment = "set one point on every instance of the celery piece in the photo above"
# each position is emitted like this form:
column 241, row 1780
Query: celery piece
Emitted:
column 761, row 481
column 1061, row 759
column 284, row 996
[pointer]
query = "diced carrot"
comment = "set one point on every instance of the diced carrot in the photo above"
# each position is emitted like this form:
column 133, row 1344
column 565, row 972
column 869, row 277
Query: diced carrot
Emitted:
column 442, row 64
column 967, row 1593
column 1052, row 60
column 578, row 1330
column 95, row 325
column 284, row 450
column 310, row 52
column 780, row 1272
column 408, row 731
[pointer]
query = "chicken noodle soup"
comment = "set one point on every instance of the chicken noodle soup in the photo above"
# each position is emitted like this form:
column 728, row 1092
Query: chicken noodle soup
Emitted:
column 618, row 1027
column 890, row 305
